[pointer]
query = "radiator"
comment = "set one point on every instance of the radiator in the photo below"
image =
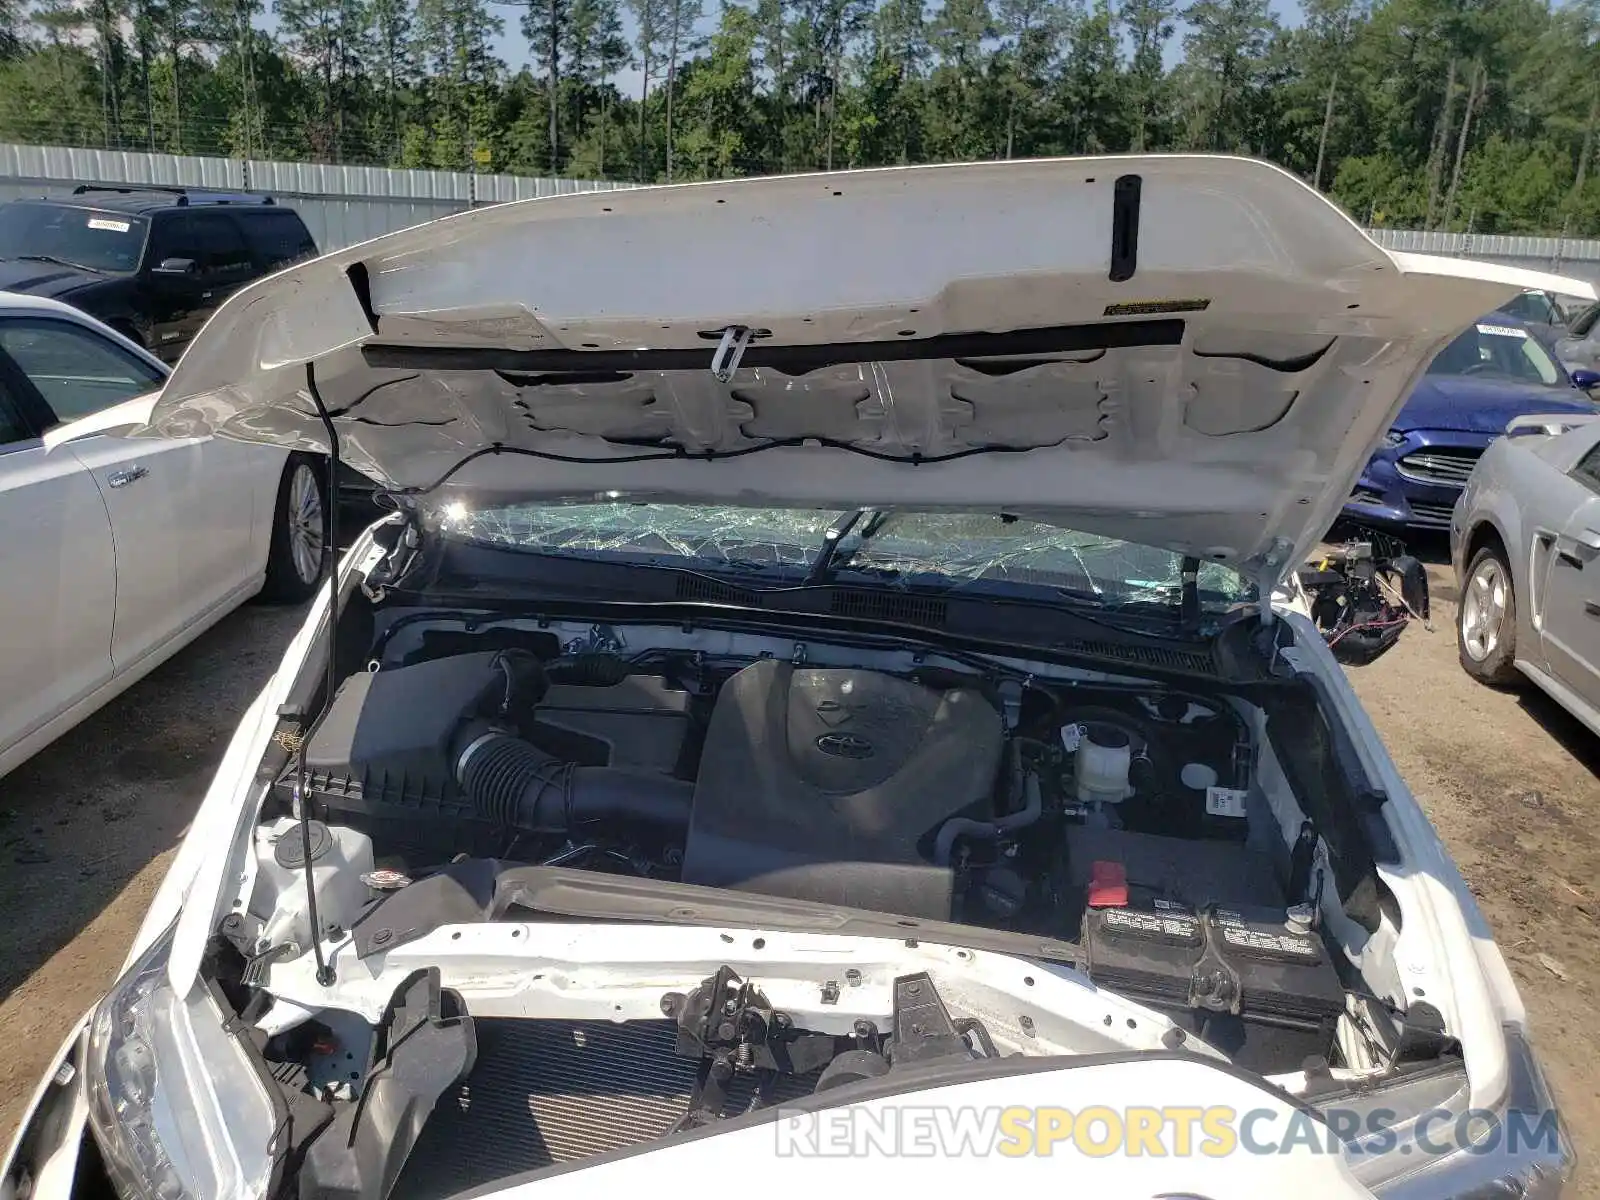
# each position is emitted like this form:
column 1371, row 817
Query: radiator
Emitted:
column 548, row 1092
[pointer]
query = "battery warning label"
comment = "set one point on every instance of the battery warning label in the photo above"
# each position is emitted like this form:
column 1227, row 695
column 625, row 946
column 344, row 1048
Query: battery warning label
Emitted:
column 1253, row 935
column 1163, row 925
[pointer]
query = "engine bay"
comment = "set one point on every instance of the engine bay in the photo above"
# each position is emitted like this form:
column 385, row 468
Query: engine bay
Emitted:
column 1146, row 830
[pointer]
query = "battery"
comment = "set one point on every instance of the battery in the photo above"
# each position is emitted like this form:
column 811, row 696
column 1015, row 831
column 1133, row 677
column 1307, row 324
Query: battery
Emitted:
column 1239, row 976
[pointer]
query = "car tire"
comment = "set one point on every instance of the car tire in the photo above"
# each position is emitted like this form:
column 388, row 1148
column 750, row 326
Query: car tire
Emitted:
column 297, row 559
column 1486, row 620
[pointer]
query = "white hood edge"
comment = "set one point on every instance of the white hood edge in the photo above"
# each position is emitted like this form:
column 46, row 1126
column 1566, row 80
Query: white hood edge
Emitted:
column 1235, row 438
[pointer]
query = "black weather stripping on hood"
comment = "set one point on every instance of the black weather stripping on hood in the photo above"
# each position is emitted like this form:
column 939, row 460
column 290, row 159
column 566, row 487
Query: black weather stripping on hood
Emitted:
column 792, row 360
column 1125, row 227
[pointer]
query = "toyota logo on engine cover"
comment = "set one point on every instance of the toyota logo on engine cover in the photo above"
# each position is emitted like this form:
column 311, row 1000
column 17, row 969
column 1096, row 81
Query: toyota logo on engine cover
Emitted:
column 844, row 745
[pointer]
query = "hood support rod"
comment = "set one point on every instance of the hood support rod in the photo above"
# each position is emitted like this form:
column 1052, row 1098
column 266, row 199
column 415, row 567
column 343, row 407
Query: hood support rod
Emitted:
column 330, row 528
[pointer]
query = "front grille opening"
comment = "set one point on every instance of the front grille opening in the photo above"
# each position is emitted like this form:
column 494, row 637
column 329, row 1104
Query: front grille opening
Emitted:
column 1448, row 467
column 1431, row 514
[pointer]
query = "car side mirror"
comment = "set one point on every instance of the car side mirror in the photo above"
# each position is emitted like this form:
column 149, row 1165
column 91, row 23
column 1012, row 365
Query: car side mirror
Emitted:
column 1584, row 378
column 181, row 268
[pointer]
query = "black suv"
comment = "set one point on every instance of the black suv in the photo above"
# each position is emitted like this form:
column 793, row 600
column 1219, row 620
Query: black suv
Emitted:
column 151, row 262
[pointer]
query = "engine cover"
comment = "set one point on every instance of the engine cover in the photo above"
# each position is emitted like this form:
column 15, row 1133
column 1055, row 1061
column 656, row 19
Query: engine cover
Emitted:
column 818, row 783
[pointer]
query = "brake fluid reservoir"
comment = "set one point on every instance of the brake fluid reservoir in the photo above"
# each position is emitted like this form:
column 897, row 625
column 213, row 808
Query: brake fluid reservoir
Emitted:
column 1103, row 758
column 339, row 856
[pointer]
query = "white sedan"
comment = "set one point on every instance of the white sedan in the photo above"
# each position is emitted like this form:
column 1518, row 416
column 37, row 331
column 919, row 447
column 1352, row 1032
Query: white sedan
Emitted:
column 115, row 553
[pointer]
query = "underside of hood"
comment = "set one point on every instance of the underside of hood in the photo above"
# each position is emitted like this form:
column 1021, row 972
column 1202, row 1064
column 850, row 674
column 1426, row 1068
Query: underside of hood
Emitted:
column 1188, row 351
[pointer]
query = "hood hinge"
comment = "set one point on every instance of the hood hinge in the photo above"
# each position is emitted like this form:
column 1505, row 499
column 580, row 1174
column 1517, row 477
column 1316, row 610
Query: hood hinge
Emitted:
column 1265, row 571
column 384, row 565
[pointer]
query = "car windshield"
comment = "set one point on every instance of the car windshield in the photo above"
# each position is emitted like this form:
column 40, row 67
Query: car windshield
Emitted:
column 978, row 551
column 79, row 237
column 1498, row 352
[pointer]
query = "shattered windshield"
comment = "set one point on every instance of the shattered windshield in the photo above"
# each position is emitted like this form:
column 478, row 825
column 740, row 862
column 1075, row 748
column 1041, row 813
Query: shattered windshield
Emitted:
column 725, row 536
column 897, row 548
column 980, row 547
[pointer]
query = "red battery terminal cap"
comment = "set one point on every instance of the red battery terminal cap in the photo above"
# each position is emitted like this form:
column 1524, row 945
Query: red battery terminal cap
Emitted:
column 1108, row 884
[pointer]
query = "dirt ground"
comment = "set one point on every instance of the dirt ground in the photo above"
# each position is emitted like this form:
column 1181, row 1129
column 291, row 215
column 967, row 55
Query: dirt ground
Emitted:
column 87, row 829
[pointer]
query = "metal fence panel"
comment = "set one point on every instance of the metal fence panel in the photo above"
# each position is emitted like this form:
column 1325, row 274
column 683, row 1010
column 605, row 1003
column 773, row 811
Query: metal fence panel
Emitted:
column 341, row 205
column 1502, row 246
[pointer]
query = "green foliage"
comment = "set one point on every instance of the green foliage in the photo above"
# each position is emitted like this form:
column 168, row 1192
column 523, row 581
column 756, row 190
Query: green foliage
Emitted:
column 1458, row 114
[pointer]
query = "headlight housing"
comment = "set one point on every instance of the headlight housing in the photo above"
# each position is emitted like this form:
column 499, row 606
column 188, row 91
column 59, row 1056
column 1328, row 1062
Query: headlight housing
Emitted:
column 1520, row 1151
column 1394, row 439
column 178, row 1109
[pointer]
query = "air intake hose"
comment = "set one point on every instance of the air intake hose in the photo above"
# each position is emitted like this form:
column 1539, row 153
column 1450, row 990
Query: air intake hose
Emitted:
column 519, row 786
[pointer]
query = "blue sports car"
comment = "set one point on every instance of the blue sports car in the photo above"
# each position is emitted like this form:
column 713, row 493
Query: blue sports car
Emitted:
column 1493, row 372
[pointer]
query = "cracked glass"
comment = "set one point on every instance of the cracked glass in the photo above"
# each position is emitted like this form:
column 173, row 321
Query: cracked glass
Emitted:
column 951, row 551
column 719, row 535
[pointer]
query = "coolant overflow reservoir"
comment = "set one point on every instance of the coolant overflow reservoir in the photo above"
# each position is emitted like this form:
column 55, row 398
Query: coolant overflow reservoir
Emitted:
column 1102, row 765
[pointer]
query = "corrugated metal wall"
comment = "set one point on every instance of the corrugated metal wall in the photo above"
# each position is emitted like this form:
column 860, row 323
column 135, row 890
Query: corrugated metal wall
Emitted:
column 341, row 205
column 1551, row 250
column 344, row 205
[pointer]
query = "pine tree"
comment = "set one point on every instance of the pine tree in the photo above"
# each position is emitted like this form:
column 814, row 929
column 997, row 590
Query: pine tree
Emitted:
column 61, row 21
column 395, row 65
column 959, row 123
column 175, row 26
column 545, row 25
column 1092, row 91
column 1032, row 31
column 650, row 19
column 682, row 17
column 718, row 105
column 332, row 38
column 594, row 51
column 895, row 77
column 774, row 47
column 1329, row 31
column 1150, row 25
column 1224, row 48
column 456, row 37
column 11, row 43
column 824, row 33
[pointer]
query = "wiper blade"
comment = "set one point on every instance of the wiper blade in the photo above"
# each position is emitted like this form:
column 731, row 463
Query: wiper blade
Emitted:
column 51, row 258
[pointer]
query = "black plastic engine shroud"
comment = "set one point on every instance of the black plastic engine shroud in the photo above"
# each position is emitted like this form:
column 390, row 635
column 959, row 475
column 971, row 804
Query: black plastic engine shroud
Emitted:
column 817, row 784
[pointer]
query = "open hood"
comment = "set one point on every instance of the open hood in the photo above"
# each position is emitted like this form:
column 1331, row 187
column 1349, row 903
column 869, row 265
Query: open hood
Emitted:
column 1188, row 351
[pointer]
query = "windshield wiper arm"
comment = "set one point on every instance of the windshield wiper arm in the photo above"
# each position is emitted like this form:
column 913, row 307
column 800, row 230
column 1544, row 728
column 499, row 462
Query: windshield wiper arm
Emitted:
column 51, row 258
column 833, row 538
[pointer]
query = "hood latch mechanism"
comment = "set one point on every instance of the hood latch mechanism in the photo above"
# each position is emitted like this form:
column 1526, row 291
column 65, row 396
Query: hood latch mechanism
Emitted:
column 735, row 340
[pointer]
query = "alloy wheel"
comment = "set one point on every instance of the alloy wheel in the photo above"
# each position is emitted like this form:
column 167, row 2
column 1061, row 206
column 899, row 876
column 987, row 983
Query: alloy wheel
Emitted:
column 1483, row 610
column 304, row 517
